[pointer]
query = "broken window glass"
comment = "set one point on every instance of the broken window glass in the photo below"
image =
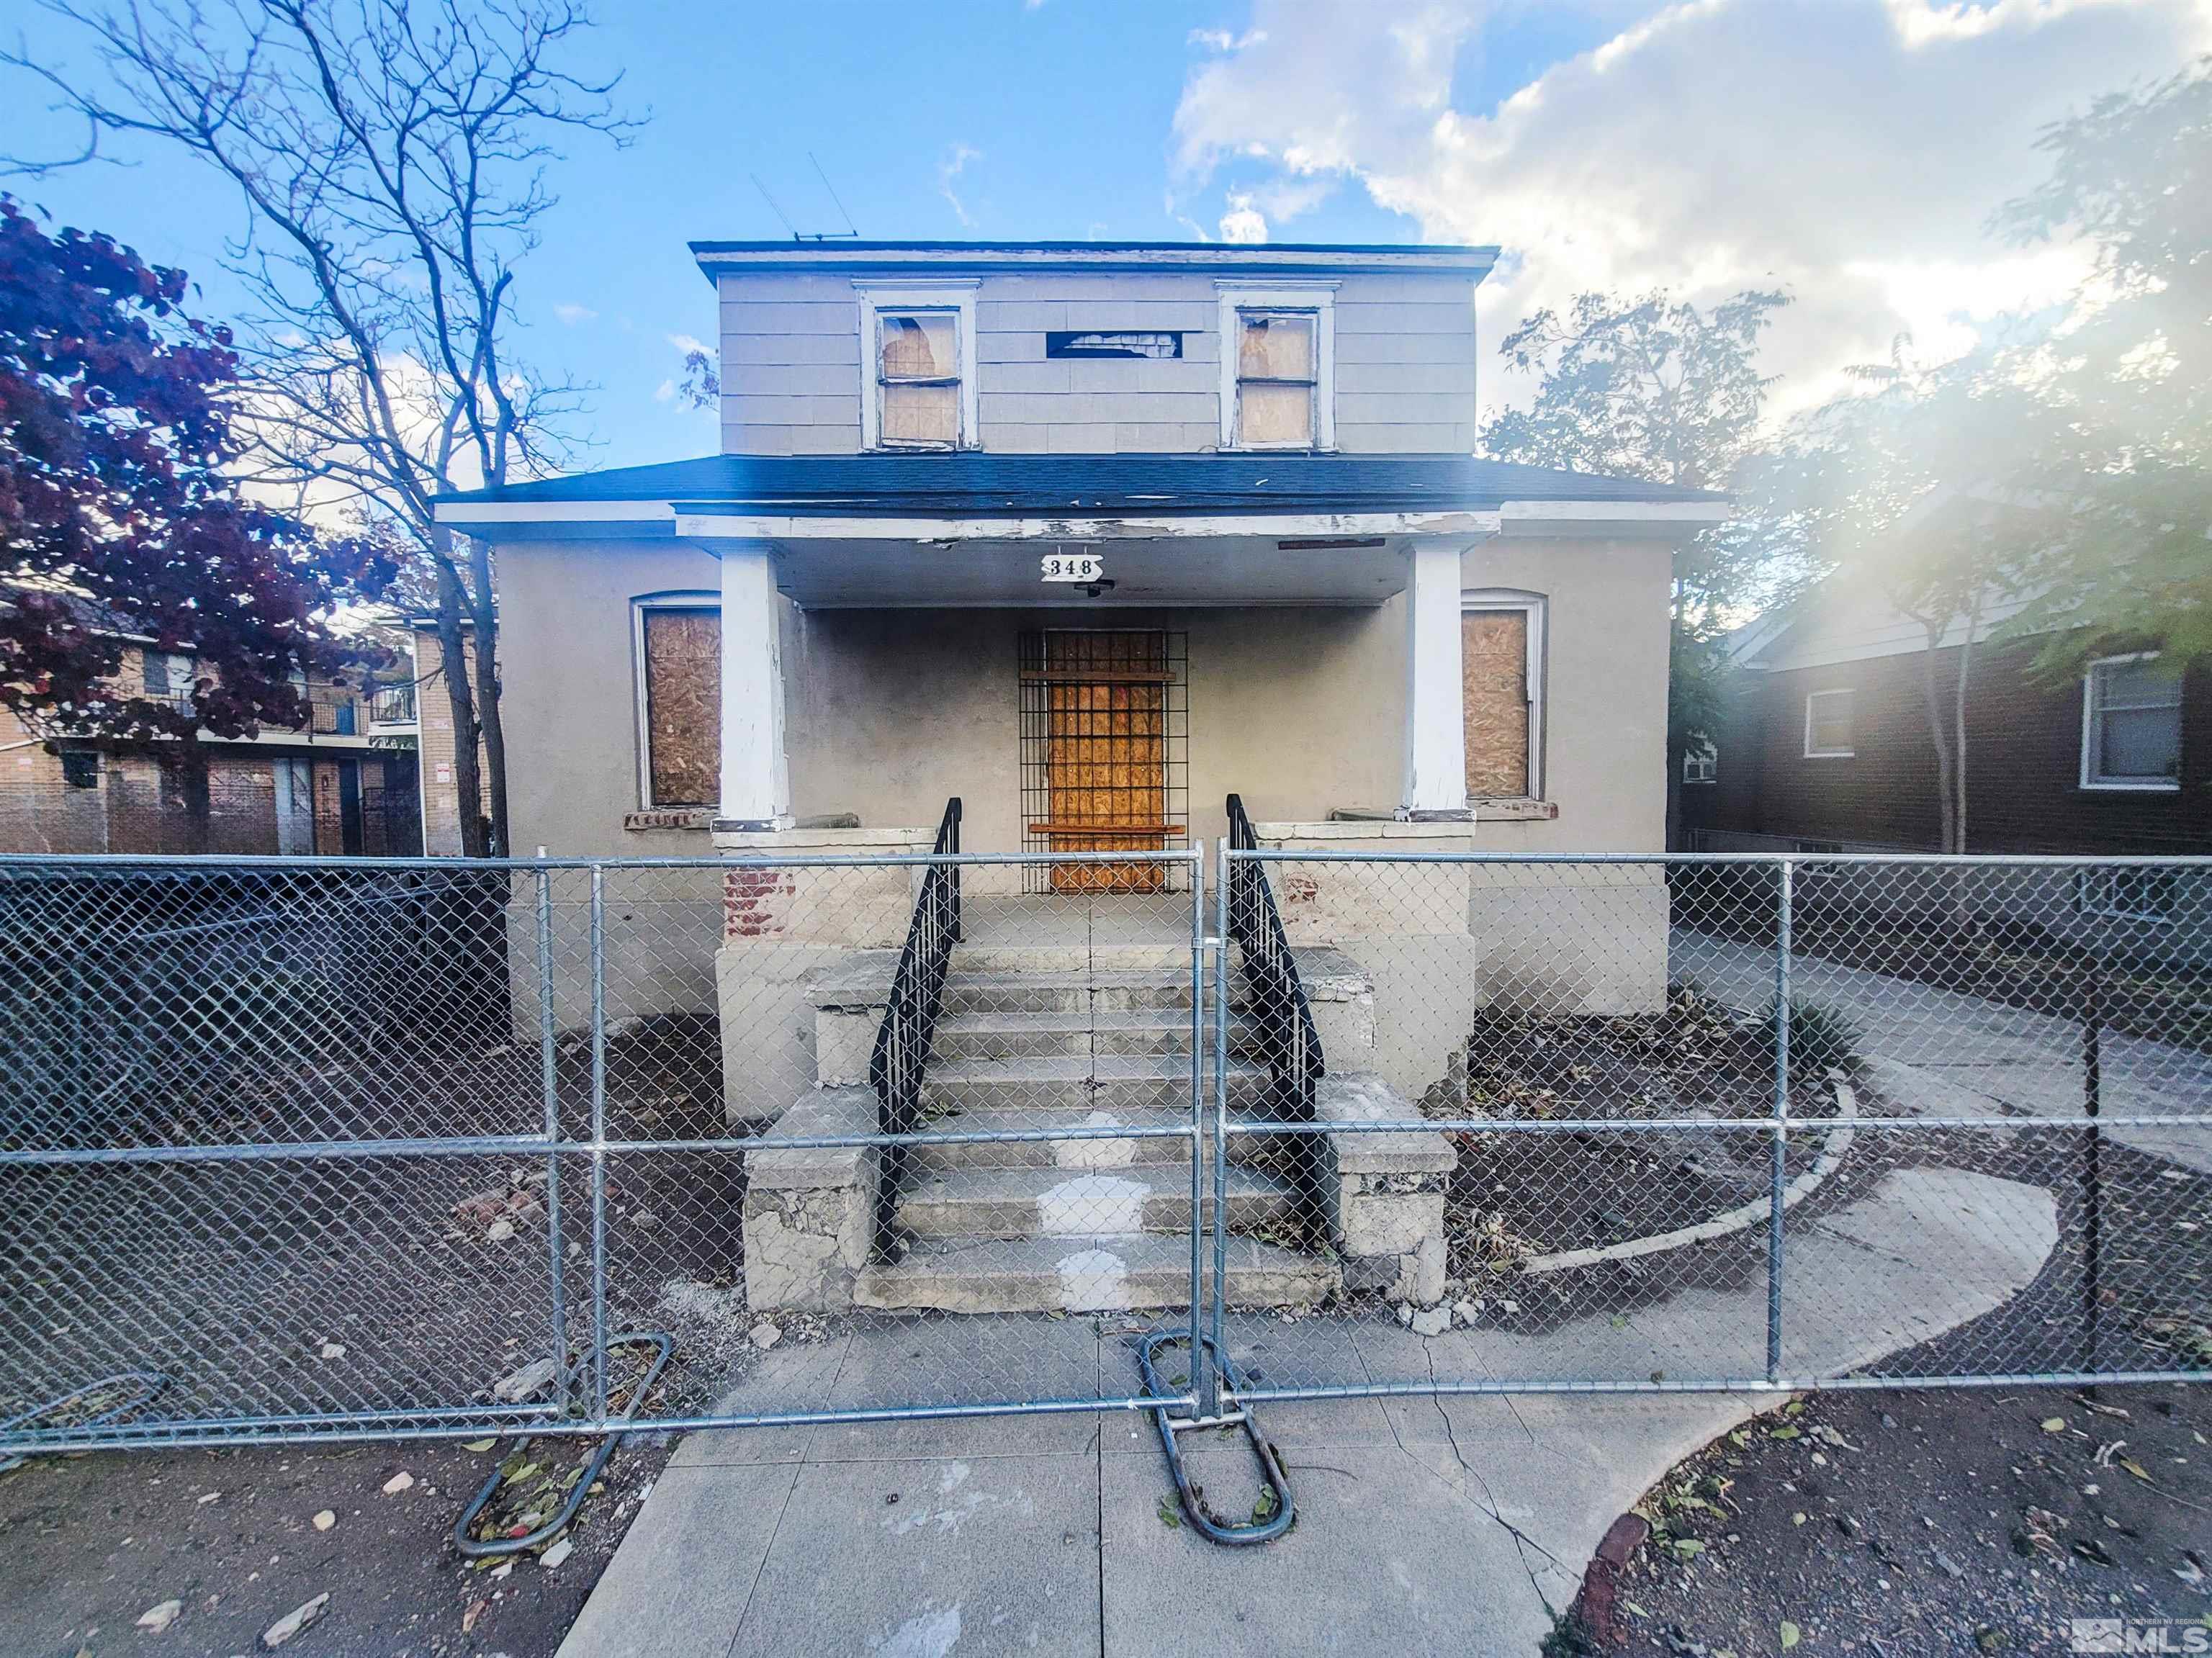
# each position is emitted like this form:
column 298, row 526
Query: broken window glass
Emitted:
column 919, row 373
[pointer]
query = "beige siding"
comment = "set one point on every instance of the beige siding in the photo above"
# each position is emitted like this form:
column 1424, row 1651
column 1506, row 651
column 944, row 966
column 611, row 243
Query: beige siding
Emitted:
column 889, row 712
column 792, row 376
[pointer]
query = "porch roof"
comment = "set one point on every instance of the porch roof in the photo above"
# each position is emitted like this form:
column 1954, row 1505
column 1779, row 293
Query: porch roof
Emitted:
column 976, row 485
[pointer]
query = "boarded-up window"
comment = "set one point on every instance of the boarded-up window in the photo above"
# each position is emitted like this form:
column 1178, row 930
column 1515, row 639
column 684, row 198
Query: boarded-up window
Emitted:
column 1278, row 376
column 1495, row 703
column 684, row 705
column 918, row 374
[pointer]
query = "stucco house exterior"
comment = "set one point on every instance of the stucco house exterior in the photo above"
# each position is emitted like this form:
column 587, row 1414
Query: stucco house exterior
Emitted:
column 1228, row 488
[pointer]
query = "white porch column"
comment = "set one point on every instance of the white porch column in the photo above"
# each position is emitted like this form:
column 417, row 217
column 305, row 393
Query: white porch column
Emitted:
column 1434, row 782
column 756, row 775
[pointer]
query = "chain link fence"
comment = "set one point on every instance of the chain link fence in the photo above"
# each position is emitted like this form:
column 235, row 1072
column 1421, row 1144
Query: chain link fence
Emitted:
column 322, row 1149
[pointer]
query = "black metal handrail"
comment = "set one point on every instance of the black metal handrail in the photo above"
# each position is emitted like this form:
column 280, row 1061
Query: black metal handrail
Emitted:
column 1281, row 1019
column 908, row 1031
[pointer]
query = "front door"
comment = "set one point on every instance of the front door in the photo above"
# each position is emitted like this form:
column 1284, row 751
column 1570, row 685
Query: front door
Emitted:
column 1104, row 700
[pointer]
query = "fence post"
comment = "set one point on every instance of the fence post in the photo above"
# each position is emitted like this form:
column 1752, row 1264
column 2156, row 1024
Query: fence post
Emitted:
column 1208, row 1377
column 2092, row 1171
column 549, row 1082
column 1777, row 1172
column 598, row 1144
column 1200, row 1052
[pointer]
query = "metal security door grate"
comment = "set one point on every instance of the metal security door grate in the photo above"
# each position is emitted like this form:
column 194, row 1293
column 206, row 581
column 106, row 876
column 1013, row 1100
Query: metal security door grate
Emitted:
column 1105, row 755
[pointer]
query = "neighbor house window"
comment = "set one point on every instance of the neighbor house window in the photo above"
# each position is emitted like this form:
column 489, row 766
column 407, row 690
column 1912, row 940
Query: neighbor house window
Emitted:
column 1701, row 764
column 1828, row 726
column 918, row 366
column 169, row 674
column 679, row 645
column 2132, row 893
column 1279, row 367
column 2130, row 724
column 1501, row 693
column 80, row 768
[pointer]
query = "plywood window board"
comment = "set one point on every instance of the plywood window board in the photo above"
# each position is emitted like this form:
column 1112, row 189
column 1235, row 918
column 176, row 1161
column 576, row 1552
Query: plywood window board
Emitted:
column 684, row 705
column 1495, row 703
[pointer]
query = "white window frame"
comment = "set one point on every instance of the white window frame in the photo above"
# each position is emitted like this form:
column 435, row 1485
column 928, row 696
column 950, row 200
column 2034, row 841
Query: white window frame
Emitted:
column 2092, row 753
column 1537, row 608
column 1706, row 757
column 955, row 297
column 2088, row 881
column 1314, row 298
column 1811, row 697
column 706, row 600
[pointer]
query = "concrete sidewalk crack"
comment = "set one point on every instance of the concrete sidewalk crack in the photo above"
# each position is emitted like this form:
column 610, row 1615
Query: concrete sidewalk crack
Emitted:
column 806, row 1456
column 1522, row 1541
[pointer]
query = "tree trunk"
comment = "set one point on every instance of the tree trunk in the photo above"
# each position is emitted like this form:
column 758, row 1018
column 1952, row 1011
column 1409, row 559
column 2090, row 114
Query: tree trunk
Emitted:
column 1958, row 727
column 484, row 612
column 453, row 658
column 193, row 785
column 1947, row 796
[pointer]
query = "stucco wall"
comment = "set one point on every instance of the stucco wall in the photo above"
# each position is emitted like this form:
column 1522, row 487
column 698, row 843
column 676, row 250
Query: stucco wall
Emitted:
column 792, row 381
column 888, row 711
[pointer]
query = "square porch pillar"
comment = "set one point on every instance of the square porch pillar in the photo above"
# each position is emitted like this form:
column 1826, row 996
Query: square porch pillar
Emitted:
column 756, row 793
column 1434, row 786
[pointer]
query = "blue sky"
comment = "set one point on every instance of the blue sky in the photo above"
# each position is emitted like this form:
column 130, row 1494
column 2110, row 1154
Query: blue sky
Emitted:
column 1848, row 149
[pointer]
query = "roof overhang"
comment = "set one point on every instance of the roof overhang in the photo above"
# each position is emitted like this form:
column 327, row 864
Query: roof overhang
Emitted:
column 722, row 259
column 825, row 561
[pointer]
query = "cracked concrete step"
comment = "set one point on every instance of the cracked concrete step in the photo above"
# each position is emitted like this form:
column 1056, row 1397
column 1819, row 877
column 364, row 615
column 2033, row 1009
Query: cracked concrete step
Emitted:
column 1083, row 1274
column 1021, row 1034
column 1106, row 1152
column 1018, row 1203
column 1104, row 1082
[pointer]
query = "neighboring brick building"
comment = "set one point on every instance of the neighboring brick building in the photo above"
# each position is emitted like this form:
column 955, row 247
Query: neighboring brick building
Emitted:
column 441, row 799
column 1826, row 744
column 345, row 786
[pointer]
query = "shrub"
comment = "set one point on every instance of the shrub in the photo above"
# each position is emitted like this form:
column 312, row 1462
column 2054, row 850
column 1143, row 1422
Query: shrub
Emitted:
column 1820, row 1038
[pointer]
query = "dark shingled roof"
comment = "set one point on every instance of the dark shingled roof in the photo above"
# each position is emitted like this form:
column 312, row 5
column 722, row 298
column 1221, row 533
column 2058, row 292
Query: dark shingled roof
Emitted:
column 976, row 485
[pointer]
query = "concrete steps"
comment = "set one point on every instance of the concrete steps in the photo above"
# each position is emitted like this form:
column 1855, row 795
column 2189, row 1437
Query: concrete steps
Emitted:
column 1092, row 1081
column 1015, row 1203
column 1082, row 1275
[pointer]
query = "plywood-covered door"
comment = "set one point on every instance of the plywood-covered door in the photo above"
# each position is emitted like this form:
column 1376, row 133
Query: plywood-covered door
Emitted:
column 1105, row 698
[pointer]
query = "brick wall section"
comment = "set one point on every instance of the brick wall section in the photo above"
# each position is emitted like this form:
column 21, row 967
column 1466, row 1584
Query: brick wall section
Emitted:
column 2023, row 767
column 441, row 800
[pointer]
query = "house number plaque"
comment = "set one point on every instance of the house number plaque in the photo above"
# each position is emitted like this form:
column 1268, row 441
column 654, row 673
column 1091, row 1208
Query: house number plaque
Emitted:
column 1072, row 567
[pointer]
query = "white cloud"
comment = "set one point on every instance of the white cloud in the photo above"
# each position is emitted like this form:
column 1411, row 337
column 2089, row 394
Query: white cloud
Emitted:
column 688, row 344
column 1244, row 222
column 1222, row 40
column 572, row 314
column 1851, row 152
column 665, row 392
column 956, row 158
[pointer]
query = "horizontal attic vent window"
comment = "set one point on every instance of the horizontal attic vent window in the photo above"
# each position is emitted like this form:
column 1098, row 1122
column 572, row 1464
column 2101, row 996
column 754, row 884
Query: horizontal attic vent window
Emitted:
column 1060, row 343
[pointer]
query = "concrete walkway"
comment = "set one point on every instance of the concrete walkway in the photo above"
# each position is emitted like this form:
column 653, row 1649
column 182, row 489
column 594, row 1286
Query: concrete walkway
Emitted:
column 1944, row 1054
column 1428, row 1523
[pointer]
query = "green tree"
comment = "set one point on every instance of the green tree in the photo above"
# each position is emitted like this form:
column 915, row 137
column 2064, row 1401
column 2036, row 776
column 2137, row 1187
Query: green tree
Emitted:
column 1659, row 389
column 2122, row 455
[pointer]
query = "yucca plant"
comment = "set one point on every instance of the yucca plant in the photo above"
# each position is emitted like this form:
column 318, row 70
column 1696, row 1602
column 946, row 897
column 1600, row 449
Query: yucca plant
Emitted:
column 1820, row 1038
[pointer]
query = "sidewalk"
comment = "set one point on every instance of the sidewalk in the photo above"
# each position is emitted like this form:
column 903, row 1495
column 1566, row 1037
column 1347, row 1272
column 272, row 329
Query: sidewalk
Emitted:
column 1458, row 1525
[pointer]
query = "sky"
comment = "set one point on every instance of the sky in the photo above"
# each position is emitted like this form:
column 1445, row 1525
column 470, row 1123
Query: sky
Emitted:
column 1850, row 152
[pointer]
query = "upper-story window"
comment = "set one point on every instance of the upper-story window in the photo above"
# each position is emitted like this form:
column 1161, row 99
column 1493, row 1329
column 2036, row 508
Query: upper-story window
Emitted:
column 2130, row 724
column 1279, row 367
column 918, row 368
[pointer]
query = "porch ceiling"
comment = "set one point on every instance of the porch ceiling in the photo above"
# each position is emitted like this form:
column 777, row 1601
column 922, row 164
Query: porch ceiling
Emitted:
column 875, row 574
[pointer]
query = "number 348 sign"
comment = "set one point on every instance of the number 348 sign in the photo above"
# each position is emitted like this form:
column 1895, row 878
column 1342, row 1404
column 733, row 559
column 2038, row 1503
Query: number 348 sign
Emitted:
column 1072, row 567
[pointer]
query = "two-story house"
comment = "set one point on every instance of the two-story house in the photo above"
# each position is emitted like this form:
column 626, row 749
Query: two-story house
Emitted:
column 1233, row 484
column 1091, row 536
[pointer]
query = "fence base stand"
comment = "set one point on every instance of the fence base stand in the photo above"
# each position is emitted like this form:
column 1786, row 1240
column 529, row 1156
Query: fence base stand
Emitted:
column 1270, row 1521
column 492, row 1548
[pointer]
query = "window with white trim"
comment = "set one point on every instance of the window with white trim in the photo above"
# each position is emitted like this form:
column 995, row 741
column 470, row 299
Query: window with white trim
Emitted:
column 1279, row 367
column 918, row 366
column 2130, row 724
column 1502, row 694
column 1701, row 763
column 1828, row 725
column 677, row 640
column 2131, row 893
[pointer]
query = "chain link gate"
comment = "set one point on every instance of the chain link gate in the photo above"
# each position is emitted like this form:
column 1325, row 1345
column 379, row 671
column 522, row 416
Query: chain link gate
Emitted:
column 346, row 1149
